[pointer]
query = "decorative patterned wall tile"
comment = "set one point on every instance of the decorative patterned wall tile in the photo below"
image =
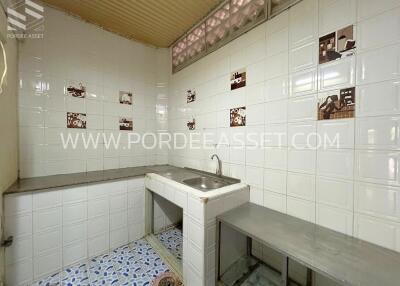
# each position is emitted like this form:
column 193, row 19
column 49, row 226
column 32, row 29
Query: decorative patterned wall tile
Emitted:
column 125, row 97
column 76, row 90
column 238, row 79
column 125, row 124
column 190, row 95
column 238, row 116
column 191, row 124
column 337, row 104
column 76, row 120
column 337, row 45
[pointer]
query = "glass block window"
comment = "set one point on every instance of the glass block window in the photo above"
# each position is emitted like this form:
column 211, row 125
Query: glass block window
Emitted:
column 179, row 53
column 280, row 5
column 246, row 12
column 218, row 26
column 196, row 41
column 229, row 20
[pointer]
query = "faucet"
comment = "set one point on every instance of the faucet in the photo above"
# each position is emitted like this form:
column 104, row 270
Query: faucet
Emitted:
column 219, row 168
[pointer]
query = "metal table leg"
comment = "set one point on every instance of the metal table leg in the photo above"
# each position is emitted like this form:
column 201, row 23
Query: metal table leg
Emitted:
column 285, row 271
column 218, row 251
column 309, row 277
column 249, row 241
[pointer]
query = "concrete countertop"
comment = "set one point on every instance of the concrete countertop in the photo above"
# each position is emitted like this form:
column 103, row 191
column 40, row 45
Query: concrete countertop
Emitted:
column 345, row 259
column 166, row 172
column 67, row 180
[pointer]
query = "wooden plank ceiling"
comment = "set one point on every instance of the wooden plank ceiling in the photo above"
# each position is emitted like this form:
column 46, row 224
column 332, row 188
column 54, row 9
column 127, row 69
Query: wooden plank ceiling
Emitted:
column 155, row 22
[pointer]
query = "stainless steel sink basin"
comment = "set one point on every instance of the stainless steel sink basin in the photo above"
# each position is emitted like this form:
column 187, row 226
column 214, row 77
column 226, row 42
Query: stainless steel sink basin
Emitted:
column 207, row 183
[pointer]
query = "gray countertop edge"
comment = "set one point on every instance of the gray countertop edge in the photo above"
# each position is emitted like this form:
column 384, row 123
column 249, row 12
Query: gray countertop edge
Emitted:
column 67, row 180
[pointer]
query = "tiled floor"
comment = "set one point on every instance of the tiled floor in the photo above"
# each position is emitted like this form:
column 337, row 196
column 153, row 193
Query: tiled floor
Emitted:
column 172, row 239
column 135, row 264
column 263, row 276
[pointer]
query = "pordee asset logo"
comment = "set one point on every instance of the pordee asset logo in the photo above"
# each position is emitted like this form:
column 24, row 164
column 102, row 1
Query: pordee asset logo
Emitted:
column 25, row 20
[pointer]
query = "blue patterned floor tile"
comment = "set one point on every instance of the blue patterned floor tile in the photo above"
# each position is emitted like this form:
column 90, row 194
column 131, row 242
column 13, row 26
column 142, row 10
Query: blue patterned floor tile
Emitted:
column 144, row 280
column 102, row 271
column 172, row 239
column 77, row 275
column 100, row 263
column 52, row 280
column 128, row 256
column 153, row 264
column 140, row 246
column 136, row 264
column 130, row 268
column 157, row 270
column 123, row 250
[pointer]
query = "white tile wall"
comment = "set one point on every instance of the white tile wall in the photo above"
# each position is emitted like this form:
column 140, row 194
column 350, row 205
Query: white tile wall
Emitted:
column 301, row 186
column 378, row 133
column 334, row 15
column 387, row 103
column 106, row 64
column 303, row 23
column 303, row 82
column 377, row 200
column 338, row 74
column 380, row 167
column 334, row 192
column 379, row 231
column 335, row 218
column 356, row 182
column 274, row 201
column 378, row 65
column 301, row 208
column 382, row 30
column 57, row 228
column 350, row 186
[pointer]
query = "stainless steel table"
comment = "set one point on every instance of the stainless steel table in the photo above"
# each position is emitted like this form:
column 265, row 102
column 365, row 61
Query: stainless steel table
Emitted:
column 342, row 258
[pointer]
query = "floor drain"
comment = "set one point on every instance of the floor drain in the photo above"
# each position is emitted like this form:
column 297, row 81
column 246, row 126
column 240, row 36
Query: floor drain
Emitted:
column 167, row 279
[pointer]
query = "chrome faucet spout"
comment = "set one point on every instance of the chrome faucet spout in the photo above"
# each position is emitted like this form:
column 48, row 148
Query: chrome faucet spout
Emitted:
column 219, row 167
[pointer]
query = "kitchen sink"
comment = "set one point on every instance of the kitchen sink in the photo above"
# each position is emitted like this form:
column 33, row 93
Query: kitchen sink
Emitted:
column 207, row 183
